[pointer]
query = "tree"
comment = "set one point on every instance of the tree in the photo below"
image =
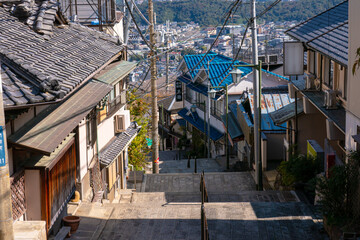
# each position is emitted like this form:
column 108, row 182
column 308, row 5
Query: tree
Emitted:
column 138, row 149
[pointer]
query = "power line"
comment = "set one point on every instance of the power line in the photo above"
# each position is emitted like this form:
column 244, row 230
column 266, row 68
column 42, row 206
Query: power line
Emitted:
column 137, row 26
column 139, row 12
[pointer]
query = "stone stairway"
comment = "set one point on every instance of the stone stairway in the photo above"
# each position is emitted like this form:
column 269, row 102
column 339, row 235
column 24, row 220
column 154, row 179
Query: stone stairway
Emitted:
column 169, row 208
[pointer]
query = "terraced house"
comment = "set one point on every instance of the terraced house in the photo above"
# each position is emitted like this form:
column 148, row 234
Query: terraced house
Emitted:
column 322, row 95
column 64, row 90
column 213, row 71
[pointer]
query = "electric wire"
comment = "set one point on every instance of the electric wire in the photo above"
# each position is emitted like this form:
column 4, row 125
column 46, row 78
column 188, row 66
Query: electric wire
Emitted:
column 137, row 27
column 140, row 13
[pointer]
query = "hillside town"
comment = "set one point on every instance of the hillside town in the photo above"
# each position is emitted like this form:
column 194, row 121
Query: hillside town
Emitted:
column 112, row 128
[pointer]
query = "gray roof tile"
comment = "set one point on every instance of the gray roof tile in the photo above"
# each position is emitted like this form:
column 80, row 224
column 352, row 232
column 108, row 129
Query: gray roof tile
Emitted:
column 48, row 69
column 117, row 145
column 326, row 32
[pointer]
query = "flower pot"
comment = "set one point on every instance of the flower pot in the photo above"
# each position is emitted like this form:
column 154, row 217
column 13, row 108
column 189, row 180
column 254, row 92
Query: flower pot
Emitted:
column 73, row 222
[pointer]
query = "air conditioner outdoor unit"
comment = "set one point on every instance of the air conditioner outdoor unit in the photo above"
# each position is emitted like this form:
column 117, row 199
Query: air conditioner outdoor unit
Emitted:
column 273, row 58
column 262, row 59
column 119, row 123
column 330, row 99
column 310, row 82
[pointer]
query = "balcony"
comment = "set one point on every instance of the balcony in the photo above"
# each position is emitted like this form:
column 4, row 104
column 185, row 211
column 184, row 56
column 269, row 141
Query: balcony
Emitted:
column 116, row 103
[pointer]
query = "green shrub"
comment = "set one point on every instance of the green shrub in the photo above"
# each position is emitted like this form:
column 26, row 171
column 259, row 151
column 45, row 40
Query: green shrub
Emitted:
column 299, row 169
column 340, row 193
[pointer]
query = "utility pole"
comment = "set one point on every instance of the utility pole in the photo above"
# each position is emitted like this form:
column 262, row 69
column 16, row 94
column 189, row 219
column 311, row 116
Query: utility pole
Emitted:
column 6, row 220
column 167, row 57
column 257, row 103
column 154, row 110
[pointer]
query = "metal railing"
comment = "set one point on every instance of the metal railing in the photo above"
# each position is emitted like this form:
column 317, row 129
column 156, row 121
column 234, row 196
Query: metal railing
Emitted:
column 116, row 103
column 204, row 198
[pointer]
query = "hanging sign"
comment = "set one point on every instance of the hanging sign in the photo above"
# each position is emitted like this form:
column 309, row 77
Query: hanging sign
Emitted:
column 178, row 91
column 2, row 148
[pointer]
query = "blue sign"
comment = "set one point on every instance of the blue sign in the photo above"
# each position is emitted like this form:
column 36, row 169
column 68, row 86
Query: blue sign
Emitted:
column 2, row 148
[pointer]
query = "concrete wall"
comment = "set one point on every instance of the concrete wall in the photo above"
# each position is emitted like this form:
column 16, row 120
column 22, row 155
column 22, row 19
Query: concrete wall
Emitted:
column 352, row 122
column 84, row 161
column 33, row 194
column 275, row 146
column 306, row 125
column 106, row 128
column 353, row 109
column 354, row 43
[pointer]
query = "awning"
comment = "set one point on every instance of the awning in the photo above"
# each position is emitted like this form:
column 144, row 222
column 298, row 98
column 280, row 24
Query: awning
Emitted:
column 113, row 149
column 356, row 138
column 41, row 161
column 286, row 113
column 234, row 128
column 48, row 129
column 198, row 123
column 115, row 72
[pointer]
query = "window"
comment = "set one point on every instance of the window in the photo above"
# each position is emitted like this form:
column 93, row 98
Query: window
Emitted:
column 91, row 128
column 315, row 64
column 345, row 84
column 331, row 73
column 328, row 72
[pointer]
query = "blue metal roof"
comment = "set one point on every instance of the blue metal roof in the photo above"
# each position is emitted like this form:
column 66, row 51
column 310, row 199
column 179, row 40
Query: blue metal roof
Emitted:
column 327, row 32
column 234, row 127
column 271, row 102
column 219, row 68
column 181, row 122
column 197, row 122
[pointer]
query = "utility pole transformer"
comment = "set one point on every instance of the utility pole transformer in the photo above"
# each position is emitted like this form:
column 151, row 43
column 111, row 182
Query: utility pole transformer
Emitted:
column 154, row 110
column 257, row 103
column 6, row 220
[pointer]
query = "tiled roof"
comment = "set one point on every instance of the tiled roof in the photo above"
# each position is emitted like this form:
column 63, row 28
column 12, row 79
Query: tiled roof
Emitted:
column 219, row 67
column 271, row 101
column 117, row 145
column 170, row 103
column 326, row 32
column 286, row 113
column 54, row 64
column 198, row 123
column 19, row 91
column 48, row 129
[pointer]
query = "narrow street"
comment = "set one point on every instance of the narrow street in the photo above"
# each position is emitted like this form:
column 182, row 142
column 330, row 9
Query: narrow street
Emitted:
column 168, row 207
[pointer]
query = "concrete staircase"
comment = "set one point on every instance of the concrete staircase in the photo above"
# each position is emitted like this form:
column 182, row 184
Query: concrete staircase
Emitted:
column 169, row 208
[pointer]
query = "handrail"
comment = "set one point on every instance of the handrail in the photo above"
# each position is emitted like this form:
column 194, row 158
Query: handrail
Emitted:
column 204, row 198
column 204, row 193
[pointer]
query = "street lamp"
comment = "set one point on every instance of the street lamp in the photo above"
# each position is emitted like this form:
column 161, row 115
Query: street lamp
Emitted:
column 212, row 94
column 257, row 119
column 236, row 75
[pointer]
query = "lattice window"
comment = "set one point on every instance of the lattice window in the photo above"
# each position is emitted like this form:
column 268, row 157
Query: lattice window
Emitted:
column 18, row 194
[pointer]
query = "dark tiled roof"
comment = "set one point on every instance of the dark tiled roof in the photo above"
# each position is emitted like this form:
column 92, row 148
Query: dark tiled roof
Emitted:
column 170, row 103
column 117, row 145
column 326, row 32
column 48, row 129
column 286, row 113
column 55, row 63
column 19, row 91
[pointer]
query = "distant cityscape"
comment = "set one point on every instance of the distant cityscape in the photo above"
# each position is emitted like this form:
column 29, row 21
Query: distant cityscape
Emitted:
column 189, row 38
